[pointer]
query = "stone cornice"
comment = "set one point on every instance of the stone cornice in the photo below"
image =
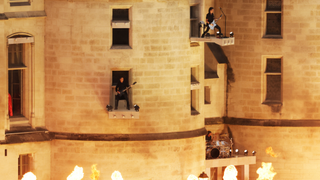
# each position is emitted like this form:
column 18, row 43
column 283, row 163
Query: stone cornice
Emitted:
column 130, row 137
column 263, row 122
column 38, row 136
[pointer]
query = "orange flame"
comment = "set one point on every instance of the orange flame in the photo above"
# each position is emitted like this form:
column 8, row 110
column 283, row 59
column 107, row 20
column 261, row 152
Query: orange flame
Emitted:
column 116, row 175
column 269, row 151
column 95, row 173
column 230, row 173
column 266, row 172
column 29, row 176
column 77, row 174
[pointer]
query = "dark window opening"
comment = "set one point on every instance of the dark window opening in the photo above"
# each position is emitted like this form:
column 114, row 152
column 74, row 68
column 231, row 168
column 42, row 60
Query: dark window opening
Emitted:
column 207, row 95
column 194, row 21
column 273, row 24
column 19, row 3
column 273, row 5
column 273, row 88
column 116, row 75
column 273, row 79
column 273, row 65
column 194, row 102
column 15, row 56
column 120, row 37
column 15, row 90
column 120, row 14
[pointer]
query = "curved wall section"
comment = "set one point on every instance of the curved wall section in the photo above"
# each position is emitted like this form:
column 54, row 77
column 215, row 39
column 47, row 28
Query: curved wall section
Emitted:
column 157, row 160
column 79, row 64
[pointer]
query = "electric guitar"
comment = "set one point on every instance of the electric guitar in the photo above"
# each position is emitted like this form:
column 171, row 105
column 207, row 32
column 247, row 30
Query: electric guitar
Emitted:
column 126, row 89
column 214, row 23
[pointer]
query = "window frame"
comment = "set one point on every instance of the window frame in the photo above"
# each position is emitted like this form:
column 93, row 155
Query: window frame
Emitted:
column 113, row 87
column 264, row 79
column 265, row 12
column 21, row 166
column 28, row 79
column 121, row 24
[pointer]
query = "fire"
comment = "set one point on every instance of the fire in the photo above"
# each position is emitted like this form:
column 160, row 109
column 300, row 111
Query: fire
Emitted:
column 95, row 173
column 269, row 151
column 266, row 172
column 29, row 176
column 230, row 173
column 77, row 174
column 116, row 175
column 192, row 177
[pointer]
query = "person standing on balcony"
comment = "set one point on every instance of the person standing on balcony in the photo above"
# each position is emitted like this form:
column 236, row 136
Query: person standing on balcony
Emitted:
column 122, row 93
column 209, row 20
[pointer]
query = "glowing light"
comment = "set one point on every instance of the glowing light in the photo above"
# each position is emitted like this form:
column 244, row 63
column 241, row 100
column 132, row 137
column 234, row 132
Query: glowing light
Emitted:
column 230, row 173
column 95, row 173
column 266, row 172
column 269, row 151
column 77, row 174
column 116, row 175
column 29, row 176
column 192, row 177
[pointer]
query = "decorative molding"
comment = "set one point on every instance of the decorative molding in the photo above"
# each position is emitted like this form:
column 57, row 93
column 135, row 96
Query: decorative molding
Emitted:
column 212, row 121
column 130, row 137
column 43, row 135
column 263, row 122
column 25, row 14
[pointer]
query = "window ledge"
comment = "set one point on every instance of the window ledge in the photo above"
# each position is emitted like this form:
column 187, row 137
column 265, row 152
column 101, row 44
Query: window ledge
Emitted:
column 124, row 114
column 120, row 24
column 194, row 112
column 272, row 36
column 19, row 121
column 269, row 102
column 120, row 47
column 273, row 11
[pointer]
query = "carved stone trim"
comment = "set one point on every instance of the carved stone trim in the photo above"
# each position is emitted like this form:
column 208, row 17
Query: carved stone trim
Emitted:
column 263, row 122
column 130, row 137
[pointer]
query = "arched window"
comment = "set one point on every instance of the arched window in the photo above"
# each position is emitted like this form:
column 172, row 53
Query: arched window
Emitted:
column 20, row 76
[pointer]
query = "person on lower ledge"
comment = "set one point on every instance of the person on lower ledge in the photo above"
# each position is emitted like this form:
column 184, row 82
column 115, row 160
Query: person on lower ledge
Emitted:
column 209, row 137
column 122, row 93
column 209, row 20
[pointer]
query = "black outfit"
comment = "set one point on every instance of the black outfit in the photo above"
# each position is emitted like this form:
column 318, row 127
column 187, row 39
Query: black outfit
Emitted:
column 121, row 86
column 210, row 18
column 208, row 138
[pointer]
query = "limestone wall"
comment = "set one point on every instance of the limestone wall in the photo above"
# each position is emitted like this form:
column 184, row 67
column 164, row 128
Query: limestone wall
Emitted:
column 79, row 63
column 35, row 27
column 171, row 159
column 299, row 48
column 296, row 149
column 41, row 159
column 35, row 5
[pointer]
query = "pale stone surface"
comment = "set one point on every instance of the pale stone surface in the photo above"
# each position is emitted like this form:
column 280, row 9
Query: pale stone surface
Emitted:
column 296, row 147
column 79, row 62
column 41, row 159
column 170, row 159
column 300, row 59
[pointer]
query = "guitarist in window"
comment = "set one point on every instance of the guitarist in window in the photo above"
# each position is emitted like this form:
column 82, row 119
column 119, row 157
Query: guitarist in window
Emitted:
column 209, row 20
column 121, row 94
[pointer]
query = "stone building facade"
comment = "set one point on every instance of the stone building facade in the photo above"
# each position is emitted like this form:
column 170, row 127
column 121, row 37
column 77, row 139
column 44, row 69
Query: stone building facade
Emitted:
column 72, row 51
